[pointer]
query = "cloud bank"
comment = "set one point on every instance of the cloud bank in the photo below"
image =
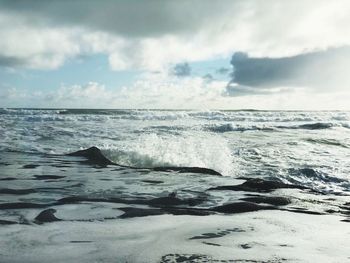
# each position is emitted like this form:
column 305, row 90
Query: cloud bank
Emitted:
column 152, row 34
column 163, row 91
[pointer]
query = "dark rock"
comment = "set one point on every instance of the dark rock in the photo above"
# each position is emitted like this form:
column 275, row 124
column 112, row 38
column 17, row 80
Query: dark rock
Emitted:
column 47, row 216
column 8, row 179
column 30, row 166
column 80, row 241
column 172, row 194
column 7, row 222
column 48, row 177
column 218, row 234
column 17, row 191
column 166, row 201
column 211, row 244
column 315, row 126
column 21, row 205
column 271, row 200
column 79, row 199
column 140, row 212
column 172, row 200
column 130, row 212
column 186, row 170
column 186, row 258
column 331, row 211
column 240, row 207
column 187, row 211
column 208, row 236
column 93, row 156
column 258, row 185
column 246, row 246
column 152, row 181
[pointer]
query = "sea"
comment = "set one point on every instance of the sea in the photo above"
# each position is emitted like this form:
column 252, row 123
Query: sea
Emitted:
column 116, row 213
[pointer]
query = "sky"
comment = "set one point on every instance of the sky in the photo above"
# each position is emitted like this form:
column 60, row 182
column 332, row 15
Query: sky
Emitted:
column 183, row 54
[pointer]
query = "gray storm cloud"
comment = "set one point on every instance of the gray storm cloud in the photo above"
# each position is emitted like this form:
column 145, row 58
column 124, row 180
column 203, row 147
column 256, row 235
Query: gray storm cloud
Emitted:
column 155, row 33
column 131, row 18
column 319, row 70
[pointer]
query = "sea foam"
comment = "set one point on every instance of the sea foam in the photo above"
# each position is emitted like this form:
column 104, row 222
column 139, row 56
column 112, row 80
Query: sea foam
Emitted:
column 152, row 150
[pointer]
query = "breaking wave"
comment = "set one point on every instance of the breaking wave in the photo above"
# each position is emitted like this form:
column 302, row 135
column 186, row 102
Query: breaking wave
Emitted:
column 230, row 127
column 317, row 179
column 153, row 150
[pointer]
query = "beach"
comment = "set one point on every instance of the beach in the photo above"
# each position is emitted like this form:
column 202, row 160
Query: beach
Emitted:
column 174, row 186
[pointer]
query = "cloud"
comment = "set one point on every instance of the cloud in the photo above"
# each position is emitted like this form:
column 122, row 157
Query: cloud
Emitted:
column 320, row 71
column 8, row 61
column 151, row 90
column 7, row 93
column 135, row 19
column 299, row 48
column 153, row 34
column 27, row 45
column 234, row 89
column 91, row 94
column 166, row 91
column 182, row 70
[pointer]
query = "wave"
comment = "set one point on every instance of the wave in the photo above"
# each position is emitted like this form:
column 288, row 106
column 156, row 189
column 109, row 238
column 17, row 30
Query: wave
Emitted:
column 314, row 126
column 331, row 142
column 210, row 115
column 229, row 127
column 241, row 127
column 93, row 112
column 312, row 174
column 6, row 111
column 317, row 179
column 151, row 150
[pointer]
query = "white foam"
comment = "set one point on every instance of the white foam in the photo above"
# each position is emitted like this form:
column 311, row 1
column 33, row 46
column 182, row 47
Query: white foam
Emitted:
column 150, row 150
column 272, row 235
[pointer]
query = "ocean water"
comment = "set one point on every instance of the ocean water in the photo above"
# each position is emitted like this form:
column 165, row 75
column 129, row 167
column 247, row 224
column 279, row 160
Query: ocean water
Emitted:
column 309, row 150
column 235, row 143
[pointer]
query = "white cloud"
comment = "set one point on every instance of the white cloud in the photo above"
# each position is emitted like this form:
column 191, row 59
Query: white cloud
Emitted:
column 7, row 93
column 166, row 91
column 155, row 35
column 150, row 35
